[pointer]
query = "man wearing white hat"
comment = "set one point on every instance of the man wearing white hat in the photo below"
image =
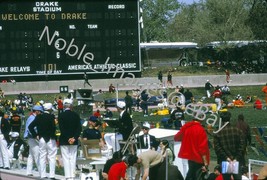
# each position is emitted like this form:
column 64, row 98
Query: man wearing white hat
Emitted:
column 147, row 141
column 46, row 130
column 126, row 123
column 33, row 144
column 14, row 147
column 124, row 129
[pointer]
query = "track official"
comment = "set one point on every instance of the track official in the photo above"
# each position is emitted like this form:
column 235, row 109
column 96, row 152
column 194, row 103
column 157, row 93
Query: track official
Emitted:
column 70, row 129
column 33, row 144
column 46, row 130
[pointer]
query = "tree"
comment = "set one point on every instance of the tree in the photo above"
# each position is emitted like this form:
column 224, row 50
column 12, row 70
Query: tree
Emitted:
column 257, row 19
column 216, row 20
column 156, row 16
column 180, row 28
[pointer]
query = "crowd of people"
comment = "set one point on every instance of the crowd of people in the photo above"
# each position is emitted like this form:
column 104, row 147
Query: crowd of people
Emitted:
column 230, row 145
column 40, row 135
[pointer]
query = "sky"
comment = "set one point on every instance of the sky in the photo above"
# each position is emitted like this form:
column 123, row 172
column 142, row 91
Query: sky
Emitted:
column 188, row 1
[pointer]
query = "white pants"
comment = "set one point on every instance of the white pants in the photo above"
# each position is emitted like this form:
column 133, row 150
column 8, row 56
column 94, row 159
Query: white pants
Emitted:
column 208, row 93
column 69, row 154
column 219, row 103
column 33, row 155
column 10, row 151
column 4, row 158
column 112, row 141
column 47, row 151
column 15, row 162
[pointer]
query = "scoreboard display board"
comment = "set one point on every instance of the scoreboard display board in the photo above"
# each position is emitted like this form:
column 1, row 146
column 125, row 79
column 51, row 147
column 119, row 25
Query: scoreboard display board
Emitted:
column 66, row 37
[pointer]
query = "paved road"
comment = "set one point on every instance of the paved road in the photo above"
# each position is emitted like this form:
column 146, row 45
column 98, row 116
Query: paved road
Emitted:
column 20, row 174
column 123, row 84
column 5, row 176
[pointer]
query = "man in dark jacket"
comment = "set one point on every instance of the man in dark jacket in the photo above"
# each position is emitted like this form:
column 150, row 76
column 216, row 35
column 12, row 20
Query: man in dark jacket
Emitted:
column 70, row 129
column 126, row 123
column 229, row 145
column 147, row 141
column 124, row 129
column 188, row 97
column 129, row 102
column 46, row 135
column 144, row 98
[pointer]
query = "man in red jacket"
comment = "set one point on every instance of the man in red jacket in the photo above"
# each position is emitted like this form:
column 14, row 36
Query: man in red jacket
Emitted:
column 194, row 148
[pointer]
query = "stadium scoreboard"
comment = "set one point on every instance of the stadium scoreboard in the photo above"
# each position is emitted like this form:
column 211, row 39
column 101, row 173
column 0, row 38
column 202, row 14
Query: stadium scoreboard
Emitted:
column 69, row 37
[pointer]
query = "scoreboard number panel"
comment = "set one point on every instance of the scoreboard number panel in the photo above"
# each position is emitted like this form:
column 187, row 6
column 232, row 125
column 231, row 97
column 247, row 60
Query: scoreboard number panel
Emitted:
column 69, row 37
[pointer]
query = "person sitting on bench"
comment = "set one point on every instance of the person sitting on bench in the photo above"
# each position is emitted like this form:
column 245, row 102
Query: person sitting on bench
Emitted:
column 15, row 147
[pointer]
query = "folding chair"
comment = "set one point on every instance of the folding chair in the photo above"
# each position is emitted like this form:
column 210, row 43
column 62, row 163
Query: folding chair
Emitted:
column 132, row 139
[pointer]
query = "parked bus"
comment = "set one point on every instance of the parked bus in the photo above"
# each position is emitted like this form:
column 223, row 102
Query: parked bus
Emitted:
column 240, row 56
column 174, row 53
